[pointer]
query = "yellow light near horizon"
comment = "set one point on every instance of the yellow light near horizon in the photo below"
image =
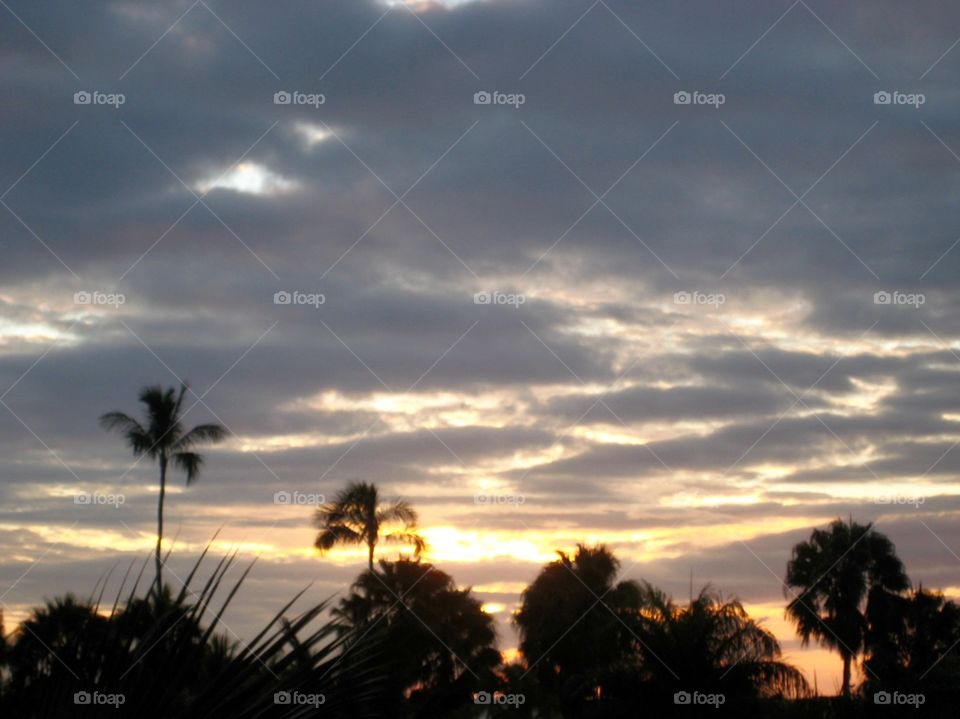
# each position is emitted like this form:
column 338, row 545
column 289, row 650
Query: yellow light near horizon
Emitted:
column 452, row 544
column 510, row 655
column 500, row 587
column 952, row 592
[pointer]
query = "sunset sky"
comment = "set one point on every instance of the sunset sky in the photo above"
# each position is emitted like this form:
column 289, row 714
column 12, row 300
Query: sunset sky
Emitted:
column 685, row 356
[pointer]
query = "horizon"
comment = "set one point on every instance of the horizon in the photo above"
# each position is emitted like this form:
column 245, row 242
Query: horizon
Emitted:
column 675, row 280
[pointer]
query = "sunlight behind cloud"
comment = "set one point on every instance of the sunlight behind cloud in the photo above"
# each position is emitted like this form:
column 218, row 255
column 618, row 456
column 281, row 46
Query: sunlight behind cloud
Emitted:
column 248, row 178
column 312, row 134
column 11, row 331
column 421, row 6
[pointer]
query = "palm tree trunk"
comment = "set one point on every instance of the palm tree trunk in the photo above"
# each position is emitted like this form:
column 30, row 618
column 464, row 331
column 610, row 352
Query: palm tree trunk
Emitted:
column 163, row 491
column 370, row 547
column 846, row 675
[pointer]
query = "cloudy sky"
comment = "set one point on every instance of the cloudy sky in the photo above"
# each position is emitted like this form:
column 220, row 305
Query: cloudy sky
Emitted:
column 683, row 354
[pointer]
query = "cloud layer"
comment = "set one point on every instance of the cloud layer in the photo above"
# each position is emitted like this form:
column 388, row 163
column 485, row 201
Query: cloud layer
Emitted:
column 685, row 354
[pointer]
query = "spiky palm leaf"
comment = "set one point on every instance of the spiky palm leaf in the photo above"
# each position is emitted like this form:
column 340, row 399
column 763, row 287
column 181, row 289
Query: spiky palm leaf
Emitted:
column 163, row 655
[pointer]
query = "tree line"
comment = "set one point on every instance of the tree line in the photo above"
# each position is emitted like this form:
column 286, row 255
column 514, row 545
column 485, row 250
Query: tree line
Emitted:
column 406, row 641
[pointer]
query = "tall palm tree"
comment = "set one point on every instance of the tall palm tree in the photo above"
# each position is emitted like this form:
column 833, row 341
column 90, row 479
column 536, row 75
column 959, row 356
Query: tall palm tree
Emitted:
column 837, row 572
column 162, row 438
column 356, row 516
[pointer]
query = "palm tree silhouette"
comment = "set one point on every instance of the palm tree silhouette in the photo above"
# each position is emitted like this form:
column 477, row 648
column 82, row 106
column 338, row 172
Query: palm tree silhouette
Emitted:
column 597, row 646
column 164, row 440
column 838, row 571
column 575, row 623
column 442, row 645
column 910, row 641
column 356, row 516
column 714, row 645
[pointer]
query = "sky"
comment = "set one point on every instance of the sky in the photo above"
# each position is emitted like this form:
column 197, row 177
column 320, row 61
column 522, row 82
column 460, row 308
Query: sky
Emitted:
column 674, row 277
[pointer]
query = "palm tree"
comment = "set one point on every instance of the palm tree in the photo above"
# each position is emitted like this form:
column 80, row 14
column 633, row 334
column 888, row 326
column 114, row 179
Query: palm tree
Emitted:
column 910, row 641
column 442, row 644
column 597, row 646
column 356, row 516
column 577, row 625
column 163, row 439
column 712, row 644
column 838, row 572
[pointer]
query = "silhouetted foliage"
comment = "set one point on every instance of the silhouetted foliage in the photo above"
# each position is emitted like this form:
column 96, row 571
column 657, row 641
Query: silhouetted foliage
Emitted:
column 710, row 646
column 161, row 655
column 162, row 438
column 577, row 626
column 912, row 643
column 838, row 573
column 357, row 515
column 602, row 648
column 442, row 645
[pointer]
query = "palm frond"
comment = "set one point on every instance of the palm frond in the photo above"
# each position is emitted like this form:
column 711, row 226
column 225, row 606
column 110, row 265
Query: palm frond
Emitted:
column 418, row 542
column 136, row 435
column 189, row 463
column 199, row 434
column 337, row 534
column 399, row 511
column 165, row 658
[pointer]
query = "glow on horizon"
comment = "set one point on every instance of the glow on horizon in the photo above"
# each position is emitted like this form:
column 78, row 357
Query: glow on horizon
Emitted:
column 450, row 544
